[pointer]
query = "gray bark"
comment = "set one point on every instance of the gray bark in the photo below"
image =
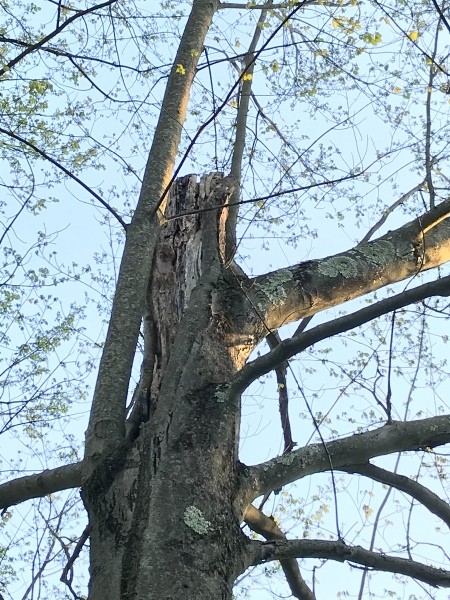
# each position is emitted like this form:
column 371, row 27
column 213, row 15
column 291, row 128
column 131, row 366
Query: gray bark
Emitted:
column 164, row 501
column 393, row 437
column 106, row 425
column 164, row 490
column 341, row 552
column 306, row 288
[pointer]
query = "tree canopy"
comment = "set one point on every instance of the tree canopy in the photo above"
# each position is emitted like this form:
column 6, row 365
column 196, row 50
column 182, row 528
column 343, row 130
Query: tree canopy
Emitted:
column 224, row 236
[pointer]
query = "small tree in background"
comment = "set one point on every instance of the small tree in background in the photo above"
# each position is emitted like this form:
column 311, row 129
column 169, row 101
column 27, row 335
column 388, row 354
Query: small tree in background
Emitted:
column 307, row 123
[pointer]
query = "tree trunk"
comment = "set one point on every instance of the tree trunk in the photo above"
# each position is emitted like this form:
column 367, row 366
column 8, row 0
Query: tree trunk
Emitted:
column 164, row 503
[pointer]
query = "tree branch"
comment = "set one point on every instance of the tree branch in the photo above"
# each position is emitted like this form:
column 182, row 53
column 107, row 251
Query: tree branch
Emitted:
column 230, row 93
column 339, row 551
column 40, row 484
column 273, row 339
column 398, row 436
column 300, row 341
column 106, row 429
column 249, row 62
column 418, row 491
column 390, row 209
column 32, row 48
column 265, row 526
column 306, row 288
column 62, row 168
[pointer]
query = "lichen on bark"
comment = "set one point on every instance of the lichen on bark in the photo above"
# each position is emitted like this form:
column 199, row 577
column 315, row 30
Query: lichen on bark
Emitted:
column 273, row 287
column 338, row 265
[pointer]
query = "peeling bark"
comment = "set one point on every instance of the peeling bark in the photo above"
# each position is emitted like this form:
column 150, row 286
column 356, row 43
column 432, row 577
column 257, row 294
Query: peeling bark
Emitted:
column 182, row 454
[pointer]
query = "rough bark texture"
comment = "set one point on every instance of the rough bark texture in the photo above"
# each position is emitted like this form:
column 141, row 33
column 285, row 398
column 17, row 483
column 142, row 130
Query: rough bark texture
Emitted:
column 166, row 506
column 306, row 288
column 180, row 451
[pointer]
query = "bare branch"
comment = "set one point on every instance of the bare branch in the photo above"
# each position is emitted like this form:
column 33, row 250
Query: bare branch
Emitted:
column 442, row 15
column 310, row 186
column 67, row 574
column 339, row 551
column 273, row 339
column 300, row 341
column 240, row 134
column 429, row 160
column 421, row 493
column 32, row 48
column 398, row 436
column 224, row 103
column 281, row 5
column 40, row 484
column 265, row 526
column 403, row 198
column 62, row 168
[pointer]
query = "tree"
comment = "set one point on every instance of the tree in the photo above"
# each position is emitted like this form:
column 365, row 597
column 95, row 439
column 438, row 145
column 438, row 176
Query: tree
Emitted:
column 161, row 480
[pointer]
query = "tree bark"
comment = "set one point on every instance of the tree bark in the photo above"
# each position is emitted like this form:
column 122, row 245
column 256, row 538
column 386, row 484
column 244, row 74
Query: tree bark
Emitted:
column 163, row 503
column 106, row 426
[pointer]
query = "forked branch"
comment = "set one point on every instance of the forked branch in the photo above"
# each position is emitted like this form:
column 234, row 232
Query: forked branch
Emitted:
column 396, row 436
column 265, row 526
column 340, row 552
column 300, row 341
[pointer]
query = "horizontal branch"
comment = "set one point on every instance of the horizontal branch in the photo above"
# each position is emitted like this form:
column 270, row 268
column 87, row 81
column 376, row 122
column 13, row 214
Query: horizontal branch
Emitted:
column 413, row 488
column 40, row 484
column 300, row 341
column 304, row 289
column 339, row 551
column 265, row 526
column 398, row 436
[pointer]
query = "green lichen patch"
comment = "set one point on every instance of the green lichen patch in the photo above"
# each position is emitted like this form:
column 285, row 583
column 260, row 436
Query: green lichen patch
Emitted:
column 379, row 253
column 221, row 394
column 273, row 287
column 195, row 520
column 287, row 459
column 338, row 265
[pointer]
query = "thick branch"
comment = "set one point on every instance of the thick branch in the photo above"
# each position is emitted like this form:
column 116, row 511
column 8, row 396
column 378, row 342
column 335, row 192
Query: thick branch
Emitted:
column 397, row 436
column 300, row 341
column 418, row 491
column 265, row 526
column 339, row 551
column 304, row 289
column 107, row 425
column 40, row 484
